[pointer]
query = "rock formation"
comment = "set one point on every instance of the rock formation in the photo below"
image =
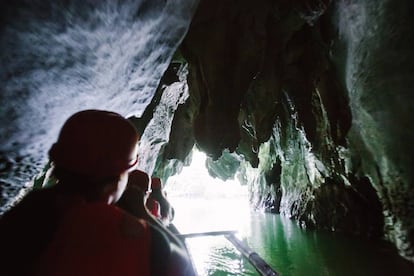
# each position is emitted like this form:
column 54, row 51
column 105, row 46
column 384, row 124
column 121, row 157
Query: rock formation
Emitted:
column 309, row 98
column 305, row 101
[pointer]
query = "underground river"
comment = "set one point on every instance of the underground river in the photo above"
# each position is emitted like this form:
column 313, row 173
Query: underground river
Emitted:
column 204, row 204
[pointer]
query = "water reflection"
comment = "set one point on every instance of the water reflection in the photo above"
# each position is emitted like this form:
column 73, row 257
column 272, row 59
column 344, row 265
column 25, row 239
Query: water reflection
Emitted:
column 203, row 205
column 294, row 251
column 217, row 256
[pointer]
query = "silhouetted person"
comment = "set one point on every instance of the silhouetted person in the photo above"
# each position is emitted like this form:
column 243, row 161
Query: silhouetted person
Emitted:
column 135, row 201
column 135, row 195
column 74, row 228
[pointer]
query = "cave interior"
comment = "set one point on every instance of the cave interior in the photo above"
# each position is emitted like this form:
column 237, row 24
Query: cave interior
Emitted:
column 307, row 102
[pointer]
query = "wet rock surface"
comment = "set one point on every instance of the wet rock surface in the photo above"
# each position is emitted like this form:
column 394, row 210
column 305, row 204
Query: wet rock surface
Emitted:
column 307, row 102
column 315, row 105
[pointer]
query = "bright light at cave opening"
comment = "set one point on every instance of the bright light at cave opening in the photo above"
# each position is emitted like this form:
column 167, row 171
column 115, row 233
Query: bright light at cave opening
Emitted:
column 203, row 203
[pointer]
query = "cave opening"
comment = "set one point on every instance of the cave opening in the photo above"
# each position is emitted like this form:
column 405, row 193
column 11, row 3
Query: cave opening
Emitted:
column 204, row 203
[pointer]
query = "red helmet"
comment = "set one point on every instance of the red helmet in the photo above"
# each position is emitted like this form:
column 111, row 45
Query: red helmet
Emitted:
column 96, row 143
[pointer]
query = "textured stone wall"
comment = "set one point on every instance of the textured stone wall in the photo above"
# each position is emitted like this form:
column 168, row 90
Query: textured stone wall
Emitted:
column 315, row 98
column 308, row 102
column 379, row 75
column 59, row 57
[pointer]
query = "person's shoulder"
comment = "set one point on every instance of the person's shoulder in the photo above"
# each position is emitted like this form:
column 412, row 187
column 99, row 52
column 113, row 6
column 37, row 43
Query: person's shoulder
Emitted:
column 32, row 203
column 132, row 226
column 175, row 258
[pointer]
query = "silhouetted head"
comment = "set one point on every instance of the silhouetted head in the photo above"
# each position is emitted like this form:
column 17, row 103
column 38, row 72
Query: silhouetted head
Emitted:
column 96, row 143
column 134, row 198
column 94, row 147
column 156, row 183
column 139, row 179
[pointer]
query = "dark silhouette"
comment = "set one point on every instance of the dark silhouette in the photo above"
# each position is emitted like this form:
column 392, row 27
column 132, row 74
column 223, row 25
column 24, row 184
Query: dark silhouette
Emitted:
column 74, row 228
column 135, row 201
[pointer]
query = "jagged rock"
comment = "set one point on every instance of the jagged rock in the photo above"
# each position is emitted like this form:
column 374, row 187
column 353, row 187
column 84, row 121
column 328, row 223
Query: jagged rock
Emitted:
column 312, row 98
column 306, row 98
column 59, row 57
column 225, row 167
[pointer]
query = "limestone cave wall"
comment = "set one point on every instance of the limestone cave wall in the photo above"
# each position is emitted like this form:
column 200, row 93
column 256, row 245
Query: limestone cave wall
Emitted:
column 308, row 102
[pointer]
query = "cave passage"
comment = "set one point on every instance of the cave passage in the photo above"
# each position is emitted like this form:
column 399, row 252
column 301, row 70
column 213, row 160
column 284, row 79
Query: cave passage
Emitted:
column 309, row 101
column 203, row 203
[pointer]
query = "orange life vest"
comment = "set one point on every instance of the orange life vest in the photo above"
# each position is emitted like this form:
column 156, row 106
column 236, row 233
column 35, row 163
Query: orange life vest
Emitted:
column 98, row 239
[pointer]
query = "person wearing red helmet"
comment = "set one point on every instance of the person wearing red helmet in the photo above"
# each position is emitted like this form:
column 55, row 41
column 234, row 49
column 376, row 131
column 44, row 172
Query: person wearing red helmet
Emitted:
column 74, row 226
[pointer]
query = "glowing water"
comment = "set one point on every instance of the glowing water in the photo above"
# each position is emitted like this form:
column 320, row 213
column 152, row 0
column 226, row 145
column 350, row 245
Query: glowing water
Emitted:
column 203, row 204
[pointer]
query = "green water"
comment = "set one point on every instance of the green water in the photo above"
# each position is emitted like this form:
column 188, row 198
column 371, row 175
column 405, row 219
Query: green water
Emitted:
column 204, row 204
column 288, row 249
column 293, row 251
